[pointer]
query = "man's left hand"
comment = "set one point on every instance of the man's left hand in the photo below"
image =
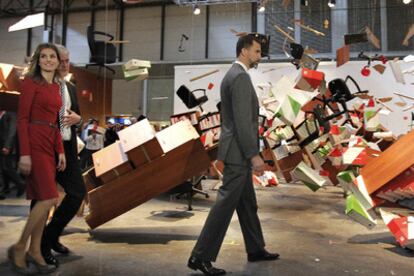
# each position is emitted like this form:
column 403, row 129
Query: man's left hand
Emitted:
column 72, row 118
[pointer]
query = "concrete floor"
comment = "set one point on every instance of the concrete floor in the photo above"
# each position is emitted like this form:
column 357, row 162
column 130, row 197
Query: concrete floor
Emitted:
column 309, row 230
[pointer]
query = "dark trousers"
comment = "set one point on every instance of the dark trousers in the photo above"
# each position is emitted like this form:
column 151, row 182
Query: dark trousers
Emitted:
column 8, row 169
column 72, row 182
column 236, row 193
column 86, row 158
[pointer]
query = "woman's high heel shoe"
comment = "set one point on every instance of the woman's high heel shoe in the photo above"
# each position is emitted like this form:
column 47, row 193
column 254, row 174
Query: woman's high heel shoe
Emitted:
column 15, row 267
column 41, row 269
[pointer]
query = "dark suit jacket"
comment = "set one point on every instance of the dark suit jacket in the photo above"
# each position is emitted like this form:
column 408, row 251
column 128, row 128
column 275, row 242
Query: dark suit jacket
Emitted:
column 74, row 107
column 239, row 139
column 8, row 135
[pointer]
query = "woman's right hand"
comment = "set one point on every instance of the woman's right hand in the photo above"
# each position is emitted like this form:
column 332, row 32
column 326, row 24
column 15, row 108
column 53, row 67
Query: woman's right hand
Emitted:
column 25, row 164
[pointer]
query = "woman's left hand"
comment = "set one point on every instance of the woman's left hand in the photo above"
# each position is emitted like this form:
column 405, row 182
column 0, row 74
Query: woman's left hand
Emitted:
column 61, row 162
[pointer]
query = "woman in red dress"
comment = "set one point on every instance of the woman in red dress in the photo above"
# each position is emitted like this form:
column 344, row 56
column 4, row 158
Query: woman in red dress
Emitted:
column 40, row 143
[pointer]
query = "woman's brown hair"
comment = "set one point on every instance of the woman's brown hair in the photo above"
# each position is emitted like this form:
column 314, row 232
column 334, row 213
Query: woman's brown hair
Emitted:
column 33, row 70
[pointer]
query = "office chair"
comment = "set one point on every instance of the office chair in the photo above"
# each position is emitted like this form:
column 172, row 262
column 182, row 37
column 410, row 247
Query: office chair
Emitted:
column 189, row 99
column 102, row 52
column 340, row 94
column 264, row 41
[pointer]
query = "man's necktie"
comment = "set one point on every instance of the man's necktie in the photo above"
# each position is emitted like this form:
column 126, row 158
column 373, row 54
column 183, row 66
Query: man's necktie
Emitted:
column 62, row 109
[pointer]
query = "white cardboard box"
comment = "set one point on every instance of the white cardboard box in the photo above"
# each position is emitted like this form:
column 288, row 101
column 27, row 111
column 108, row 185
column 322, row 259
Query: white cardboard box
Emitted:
column 176, row 135
column 108, row 158
column 136, row 135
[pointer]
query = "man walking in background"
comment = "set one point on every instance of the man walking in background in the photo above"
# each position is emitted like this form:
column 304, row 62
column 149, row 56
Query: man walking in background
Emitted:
column 239, row 150
column 71, row 178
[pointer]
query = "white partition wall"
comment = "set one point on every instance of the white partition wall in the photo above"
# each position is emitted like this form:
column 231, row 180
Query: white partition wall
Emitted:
column 180, row 20
column 126, row 97
column 143, row 29
column 37, row 37
column 13, row 45
column 378, row 85
column 107, row 21
column 76, row 40
column 222, row 19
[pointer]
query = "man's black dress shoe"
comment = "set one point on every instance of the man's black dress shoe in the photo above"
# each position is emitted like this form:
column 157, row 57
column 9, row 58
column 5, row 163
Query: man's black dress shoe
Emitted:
column 205, row 267
column 262, row 256
column 60, row 248
column 49, row 258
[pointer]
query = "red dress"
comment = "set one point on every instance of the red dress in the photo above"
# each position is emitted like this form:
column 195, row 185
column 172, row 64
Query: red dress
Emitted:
column 40, row 102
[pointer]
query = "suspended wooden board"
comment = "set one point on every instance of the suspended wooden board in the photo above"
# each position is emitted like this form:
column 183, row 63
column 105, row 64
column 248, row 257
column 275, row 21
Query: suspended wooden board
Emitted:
column 146, row 182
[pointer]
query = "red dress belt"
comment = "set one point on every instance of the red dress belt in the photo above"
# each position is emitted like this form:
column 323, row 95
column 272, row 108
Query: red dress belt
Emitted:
column 45, row 123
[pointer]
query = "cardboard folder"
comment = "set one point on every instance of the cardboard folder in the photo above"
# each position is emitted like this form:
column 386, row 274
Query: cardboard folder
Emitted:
column 357, row 212
column 402, row 227
column 309, row 176
column 309, row 80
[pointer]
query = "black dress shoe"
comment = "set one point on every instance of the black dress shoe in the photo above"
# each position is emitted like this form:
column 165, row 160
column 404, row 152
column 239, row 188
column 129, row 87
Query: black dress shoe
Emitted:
column 205, row 267
column 2, row 197
column 60, row 248
column 49, row 258
column 262, row 256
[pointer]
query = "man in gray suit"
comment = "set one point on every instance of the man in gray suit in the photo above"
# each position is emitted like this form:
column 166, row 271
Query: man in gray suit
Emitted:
column 239, row 150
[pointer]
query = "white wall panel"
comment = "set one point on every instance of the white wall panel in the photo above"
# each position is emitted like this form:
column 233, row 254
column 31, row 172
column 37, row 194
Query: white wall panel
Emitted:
column 178, row 21
column 222, row 42
column 107, row 21
column 143, row 29
column 12, row 45
column 126, row 97
column 76, row 40
column 37, row 37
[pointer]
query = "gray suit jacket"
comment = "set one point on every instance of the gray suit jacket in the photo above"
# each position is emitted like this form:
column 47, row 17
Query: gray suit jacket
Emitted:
column 239, row 139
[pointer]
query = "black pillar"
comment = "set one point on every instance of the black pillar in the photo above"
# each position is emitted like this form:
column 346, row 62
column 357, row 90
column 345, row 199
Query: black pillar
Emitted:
column 29, row 34
column 64, row 21
column 254, row 17
column 121, row 32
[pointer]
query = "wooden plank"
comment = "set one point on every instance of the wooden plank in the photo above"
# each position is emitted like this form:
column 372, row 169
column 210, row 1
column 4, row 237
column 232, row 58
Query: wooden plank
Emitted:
column 145, row 153
column 134, row 188
column 392, row 162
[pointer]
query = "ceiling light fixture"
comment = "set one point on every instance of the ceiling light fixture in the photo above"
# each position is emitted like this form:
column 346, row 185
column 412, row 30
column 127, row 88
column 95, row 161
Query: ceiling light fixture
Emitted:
column 261, row 9
column 304, row 2
column 407, row 2
column 331, row 3
column 196, row 10
column 30, row 21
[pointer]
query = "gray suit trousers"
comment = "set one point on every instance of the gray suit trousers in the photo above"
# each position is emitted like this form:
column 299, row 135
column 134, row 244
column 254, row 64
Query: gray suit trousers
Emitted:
column 236, row 193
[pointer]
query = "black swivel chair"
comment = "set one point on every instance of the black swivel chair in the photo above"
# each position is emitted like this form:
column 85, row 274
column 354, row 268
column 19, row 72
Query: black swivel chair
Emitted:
column 191, row 101
column 102, row 52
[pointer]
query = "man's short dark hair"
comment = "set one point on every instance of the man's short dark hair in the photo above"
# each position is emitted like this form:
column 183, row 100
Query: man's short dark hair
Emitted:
column 245, row 41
